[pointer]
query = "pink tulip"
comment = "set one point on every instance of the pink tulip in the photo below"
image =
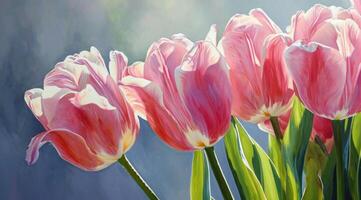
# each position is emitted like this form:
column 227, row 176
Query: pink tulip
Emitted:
column 186, row 92
column 325, row 61
column 253, row 46
column 85, row 116
column 322, row 129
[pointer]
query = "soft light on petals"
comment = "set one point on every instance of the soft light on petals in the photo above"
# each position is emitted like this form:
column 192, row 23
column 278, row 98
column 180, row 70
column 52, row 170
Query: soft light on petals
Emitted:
column 90, row 96
column 70, row 146
column 117, row 64
column 253, row 46
column 313, row 67
column 84, row 112
column 202, row 82
column 357, row 5
column 212, row 35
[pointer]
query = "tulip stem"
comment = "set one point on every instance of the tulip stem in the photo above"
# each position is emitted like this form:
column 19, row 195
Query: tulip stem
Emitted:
column 280, row 162
column 338, row 131
column 276, row 128
column 217, row 171
column 137, row 178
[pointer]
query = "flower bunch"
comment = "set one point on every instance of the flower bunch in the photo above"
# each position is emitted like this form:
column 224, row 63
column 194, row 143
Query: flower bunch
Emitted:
column 302, row 86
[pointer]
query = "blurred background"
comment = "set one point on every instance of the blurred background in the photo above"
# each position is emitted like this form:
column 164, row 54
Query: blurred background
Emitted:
column 36, row 34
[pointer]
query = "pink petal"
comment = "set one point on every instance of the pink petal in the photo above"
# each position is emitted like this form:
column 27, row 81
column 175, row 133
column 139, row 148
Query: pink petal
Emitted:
column 168, row 127
column 33, row 99
column 136, row 70
column 357, row 5
column 70, row 146
column 212, row 35
column 277, row 87
column 257, row 26
column 313, row 67
column 159, row 67
column 117, row 64
column 202, row 82
column 245, row 73
column 305, row 24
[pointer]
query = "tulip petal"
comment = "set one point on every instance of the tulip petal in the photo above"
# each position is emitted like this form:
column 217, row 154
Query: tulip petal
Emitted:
column 277, row 86
column 245, row 74
column 212, row 35
column 136, row 69
column 357, row 5
column 70, row 146
column 202, row 81
column 33, row 99
column 313, row 67
column 170, row 129
column 305, row 24
column 117, row 64
column 265, row 20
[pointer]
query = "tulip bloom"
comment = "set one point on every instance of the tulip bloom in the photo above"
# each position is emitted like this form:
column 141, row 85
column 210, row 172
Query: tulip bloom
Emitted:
column 186, row 92
column 321, row 130
column 253, row 46
column 85, row 116
column 325, row 61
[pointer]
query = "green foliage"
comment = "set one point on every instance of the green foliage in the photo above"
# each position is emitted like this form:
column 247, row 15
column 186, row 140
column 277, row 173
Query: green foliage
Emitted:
column 255, row 174
column 200, row 184
column 354, row 166
column 315, row 160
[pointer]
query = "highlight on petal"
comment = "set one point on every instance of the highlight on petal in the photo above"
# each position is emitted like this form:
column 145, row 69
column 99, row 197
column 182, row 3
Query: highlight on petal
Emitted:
column 212, row 35
column 304, row 24
column 70, row 146
column 202, row 82
column 68, row 75
column 357, row 5
column 276, row 81
column 170, row 128
column 90, row 96
column 33, row 99
column 117, row 64
column 313, row 67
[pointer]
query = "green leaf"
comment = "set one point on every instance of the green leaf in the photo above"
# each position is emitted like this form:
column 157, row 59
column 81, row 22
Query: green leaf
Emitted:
column 295, row 142
column 328, row 175
column 261, row 164
column 246, row 180
column 200, row 184
column 354, row 166
column 314, row 162
column 277, row 156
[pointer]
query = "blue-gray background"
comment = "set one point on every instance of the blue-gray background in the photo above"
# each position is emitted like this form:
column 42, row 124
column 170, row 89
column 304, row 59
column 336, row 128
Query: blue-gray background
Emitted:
column 35, row 34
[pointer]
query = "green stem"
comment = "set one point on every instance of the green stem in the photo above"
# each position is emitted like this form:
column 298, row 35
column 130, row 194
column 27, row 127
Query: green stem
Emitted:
column 137, row 178
column 276, row 128
column 338, row 129
column 217, row 171
column 280, row 162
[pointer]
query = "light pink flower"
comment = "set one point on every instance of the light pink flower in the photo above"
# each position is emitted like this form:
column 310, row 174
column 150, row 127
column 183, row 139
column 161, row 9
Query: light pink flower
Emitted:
column 85, row 116
column 325, row 61
column 185, row 90
column 253, row 46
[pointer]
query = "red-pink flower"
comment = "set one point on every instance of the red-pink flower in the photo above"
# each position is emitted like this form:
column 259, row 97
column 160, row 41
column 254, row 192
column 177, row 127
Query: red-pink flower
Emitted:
column 185, row 90
column 325, row 61
column 85, row 116
column 253, row 46
column 322, row 129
